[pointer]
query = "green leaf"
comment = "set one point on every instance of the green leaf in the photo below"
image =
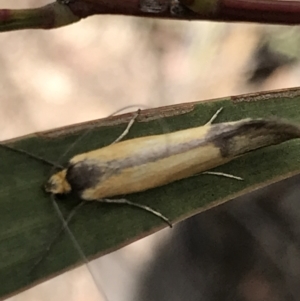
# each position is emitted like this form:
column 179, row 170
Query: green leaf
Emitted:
column 29, row 221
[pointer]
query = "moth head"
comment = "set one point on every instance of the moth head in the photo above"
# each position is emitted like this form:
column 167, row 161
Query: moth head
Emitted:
column 58, row 183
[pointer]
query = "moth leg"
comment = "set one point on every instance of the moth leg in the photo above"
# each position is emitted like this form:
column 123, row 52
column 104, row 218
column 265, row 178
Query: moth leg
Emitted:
column 222, row 174
column 212, row 119
column 129, row 125
column 144, row 207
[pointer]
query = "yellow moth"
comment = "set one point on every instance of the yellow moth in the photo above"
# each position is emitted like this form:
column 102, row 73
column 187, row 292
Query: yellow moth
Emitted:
column 143, row 163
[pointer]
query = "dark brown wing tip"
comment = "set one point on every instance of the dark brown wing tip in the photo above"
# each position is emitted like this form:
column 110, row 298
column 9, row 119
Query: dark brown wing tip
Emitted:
column 237, row 138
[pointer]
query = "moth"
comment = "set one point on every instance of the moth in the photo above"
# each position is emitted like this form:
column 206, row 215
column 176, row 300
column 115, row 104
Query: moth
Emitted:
column 139, row 164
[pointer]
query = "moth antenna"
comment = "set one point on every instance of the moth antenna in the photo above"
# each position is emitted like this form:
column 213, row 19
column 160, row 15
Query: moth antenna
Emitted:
column 58, row 234
column 36, row 157
column 65, row 223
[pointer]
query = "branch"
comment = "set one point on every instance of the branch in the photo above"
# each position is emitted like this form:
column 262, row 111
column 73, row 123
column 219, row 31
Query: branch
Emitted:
column 65, row 12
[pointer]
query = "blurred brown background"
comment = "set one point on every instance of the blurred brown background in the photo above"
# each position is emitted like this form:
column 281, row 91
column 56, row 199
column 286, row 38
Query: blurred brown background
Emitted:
column 88, row 70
